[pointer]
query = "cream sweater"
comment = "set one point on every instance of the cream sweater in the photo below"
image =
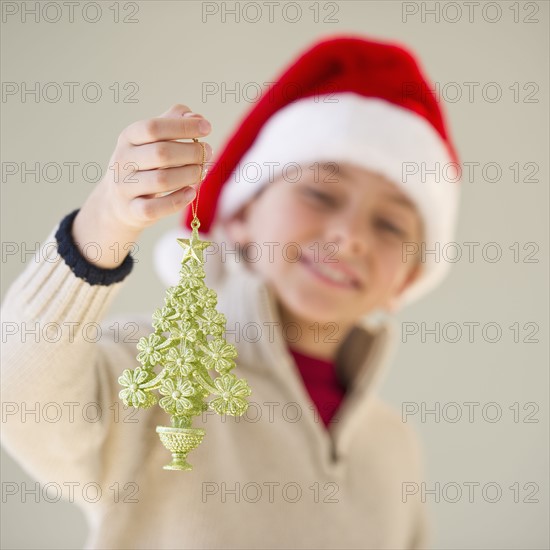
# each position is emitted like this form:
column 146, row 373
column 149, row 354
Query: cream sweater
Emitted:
column 275, row 478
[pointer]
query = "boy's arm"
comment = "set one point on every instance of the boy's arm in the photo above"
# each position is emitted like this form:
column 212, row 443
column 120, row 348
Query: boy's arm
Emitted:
column 57, row 379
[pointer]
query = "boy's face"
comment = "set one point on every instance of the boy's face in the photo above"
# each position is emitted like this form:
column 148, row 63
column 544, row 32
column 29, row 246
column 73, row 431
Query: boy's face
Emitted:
column 339, row 232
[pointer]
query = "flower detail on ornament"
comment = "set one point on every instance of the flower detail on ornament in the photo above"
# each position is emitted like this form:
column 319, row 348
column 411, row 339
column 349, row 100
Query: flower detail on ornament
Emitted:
column 211, row 298
column 213, row 322
column 161, row 318
column 176, row 363
column 219, row 355
column 232, row 393
column 173, row 294
column 132, row 395
column 194, row 308
column 207, row 297
column 188, row 271
column 176, row 394
column 192, row 277
column 187, row 331
column 149, row 354
column 179, row 308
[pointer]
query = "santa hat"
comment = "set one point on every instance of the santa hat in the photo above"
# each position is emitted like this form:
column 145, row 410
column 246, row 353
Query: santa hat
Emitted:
column 345, row 99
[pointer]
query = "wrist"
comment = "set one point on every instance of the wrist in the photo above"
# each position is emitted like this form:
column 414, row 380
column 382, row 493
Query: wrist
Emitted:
column 83, row 260
column 103, row 240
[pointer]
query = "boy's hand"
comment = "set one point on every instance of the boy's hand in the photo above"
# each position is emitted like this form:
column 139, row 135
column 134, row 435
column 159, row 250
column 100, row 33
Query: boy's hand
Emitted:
column 146, row 162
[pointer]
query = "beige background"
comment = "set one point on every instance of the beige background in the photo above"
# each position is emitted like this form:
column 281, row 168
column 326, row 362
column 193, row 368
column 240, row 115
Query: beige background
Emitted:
column 169, row 53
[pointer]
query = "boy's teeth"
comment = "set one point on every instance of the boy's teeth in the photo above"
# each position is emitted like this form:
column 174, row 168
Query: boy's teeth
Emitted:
column 333, row 274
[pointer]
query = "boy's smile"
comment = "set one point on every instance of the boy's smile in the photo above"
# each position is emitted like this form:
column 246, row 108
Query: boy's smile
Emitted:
column 337, row 275
column 349, row 229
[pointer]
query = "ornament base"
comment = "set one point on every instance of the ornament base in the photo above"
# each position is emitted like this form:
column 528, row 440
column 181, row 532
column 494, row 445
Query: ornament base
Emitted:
column 180, row 442
column 179, row 462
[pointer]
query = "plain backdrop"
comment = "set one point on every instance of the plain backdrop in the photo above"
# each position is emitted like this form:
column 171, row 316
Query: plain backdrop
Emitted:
column 168, row 55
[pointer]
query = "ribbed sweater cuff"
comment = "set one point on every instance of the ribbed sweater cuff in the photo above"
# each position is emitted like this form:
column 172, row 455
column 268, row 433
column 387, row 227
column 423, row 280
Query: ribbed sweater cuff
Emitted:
column 79, row 265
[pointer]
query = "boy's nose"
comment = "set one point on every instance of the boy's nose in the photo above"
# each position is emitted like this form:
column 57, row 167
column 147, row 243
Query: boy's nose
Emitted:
column 349, row 233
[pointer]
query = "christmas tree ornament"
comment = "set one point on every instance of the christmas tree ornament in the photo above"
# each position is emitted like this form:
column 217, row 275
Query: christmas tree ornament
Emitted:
column 189, row 347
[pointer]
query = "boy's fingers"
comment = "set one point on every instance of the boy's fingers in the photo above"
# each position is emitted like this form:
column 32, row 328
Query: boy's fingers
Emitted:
column 150, row 182
column 176, row 111
column 152, row 209
column 166, row 154
column 165, row 129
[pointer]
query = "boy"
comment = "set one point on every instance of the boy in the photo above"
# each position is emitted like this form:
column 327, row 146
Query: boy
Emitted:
column 318, row 461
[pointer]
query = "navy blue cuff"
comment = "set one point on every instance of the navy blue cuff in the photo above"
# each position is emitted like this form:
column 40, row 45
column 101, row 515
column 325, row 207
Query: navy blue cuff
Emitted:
column 80, row 266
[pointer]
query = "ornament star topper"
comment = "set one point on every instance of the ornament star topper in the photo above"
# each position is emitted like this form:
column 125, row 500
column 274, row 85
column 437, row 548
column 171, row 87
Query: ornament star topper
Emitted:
column 193, row 247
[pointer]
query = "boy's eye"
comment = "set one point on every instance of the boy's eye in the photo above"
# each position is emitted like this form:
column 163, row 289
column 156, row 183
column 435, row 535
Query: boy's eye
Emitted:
column 322, row 197
column 390, row 227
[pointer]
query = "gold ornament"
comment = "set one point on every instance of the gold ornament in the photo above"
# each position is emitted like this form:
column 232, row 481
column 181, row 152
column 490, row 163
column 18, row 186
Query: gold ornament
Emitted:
column 187, row 356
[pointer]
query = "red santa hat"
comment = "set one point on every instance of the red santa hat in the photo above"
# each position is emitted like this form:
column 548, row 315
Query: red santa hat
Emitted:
column 345, row 99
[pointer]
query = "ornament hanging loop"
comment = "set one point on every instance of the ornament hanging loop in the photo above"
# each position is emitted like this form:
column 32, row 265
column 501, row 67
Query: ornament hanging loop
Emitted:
column 195, row 224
